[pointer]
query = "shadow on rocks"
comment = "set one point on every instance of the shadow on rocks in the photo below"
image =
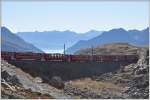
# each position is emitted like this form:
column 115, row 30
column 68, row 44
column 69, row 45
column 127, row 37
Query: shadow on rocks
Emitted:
column 57, row 82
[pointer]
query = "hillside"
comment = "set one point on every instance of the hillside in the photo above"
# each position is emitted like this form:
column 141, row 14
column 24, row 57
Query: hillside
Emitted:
column 129, row 82
column 13, row 43
column 111, row 49
column 17, row 84
column 134, row 37
column 55, row 39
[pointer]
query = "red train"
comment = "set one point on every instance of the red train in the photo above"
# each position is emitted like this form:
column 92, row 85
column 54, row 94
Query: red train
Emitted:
column 69, row 58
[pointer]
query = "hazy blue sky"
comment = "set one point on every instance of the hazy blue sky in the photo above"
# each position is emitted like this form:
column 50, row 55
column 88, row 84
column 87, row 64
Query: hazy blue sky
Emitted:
column 75, row 16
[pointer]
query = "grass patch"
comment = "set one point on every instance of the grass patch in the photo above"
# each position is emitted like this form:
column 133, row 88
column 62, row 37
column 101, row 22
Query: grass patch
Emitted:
column 94, row 85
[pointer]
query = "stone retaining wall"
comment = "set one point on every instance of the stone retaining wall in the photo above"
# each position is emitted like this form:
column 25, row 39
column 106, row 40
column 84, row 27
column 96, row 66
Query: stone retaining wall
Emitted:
column 67, row 70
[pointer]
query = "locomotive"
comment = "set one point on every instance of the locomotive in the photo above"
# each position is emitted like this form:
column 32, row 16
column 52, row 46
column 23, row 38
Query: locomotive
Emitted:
column 68, row 58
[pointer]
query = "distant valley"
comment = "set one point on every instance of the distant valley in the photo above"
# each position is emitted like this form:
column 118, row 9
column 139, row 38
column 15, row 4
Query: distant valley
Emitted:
column 55, row 40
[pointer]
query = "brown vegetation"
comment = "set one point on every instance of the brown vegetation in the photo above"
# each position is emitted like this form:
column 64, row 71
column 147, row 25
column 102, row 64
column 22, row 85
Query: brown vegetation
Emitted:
column 111, row 49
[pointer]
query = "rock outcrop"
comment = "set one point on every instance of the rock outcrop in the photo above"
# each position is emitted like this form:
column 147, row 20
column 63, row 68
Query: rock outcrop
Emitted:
column 18, row 84
column 136, row 77
column 133, row 80
column 139, row 86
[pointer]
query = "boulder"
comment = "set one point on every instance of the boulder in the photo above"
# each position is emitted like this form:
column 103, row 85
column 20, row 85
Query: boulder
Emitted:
column 57, row 82
column 38, row 80
column 10, row 77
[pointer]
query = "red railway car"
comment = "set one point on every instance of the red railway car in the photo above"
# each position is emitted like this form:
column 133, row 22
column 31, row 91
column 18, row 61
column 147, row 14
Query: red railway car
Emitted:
column 54, row 57
column 79, row 58
column 6, row 55
column 28, row 56
column 69, row 58
column 101, row 58
column 108, row 58
column 130, row 58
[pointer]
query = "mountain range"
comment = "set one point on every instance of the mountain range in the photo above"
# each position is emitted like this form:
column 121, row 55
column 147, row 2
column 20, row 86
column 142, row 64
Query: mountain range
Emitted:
column 31, row 41
column 120, row 35
column 54, row 40
column 13, row 43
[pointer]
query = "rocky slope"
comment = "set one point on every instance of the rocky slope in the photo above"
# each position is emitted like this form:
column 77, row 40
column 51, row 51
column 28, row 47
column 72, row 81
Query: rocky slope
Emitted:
column 18, row 84
column 129, row 82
